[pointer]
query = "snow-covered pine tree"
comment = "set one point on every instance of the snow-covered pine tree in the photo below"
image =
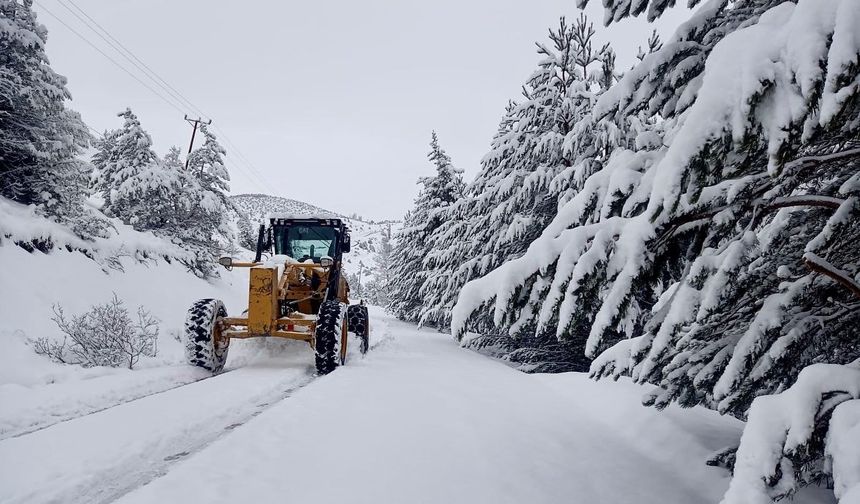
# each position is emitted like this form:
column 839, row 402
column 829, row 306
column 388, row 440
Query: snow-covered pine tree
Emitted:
column 545, row 148
column 383, row 270
column 715, row 251
column 40, row 139
column 173, row 159
column 407, row 257
column 206, row 164
column 136, row 186
column 150, row 194
column 447, row 185
column 247, row 234
column 178, row 214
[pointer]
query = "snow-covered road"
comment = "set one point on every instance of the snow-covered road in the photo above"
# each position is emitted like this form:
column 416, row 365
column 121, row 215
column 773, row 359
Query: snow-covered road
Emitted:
column 101, row 456
column 27, row 410
column 418, row 420
column 421, row 420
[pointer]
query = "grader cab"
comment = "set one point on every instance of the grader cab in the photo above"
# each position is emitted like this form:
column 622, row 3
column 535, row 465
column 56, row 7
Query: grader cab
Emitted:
column 298, row 292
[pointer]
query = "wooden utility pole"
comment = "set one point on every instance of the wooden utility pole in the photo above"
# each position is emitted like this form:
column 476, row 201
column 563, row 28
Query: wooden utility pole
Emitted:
column 194, row 122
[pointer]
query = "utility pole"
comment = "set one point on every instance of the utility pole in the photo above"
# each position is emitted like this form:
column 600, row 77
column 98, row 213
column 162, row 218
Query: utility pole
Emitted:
column 194, row 122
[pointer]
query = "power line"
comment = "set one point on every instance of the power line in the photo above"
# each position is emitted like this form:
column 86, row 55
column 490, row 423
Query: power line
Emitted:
column 156, row 93
column 93, row 130
column 127, row 53
column 176, row 97
column 241, row 156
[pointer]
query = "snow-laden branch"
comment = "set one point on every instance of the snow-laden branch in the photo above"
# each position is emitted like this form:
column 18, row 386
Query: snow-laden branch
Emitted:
column 782, row 426
column 762, row 205
column 814, row 161
column 843, row 450
column 820, row 265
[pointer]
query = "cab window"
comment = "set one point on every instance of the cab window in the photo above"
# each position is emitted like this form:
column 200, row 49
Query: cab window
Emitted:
column 305, row 242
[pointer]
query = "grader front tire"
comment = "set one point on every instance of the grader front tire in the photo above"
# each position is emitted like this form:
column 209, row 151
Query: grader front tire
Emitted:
column 327, row 337
column 203, row 347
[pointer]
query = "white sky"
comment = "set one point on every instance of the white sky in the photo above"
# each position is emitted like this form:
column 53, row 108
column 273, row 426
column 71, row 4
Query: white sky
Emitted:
column 331, row 101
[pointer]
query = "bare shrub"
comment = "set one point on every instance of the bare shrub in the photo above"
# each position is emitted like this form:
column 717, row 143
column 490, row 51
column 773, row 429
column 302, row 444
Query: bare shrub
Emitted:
column 106, row 335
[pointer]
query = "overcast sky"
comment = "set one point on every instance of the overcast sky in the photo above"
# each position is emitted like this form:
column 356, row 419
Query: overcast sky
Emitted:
column 332, row 102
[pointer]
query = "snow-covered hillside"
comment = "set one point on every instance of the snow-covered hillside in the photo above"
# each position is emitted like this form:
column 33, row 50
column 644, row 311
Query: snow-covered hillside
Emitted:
column 367, row 262
column 258, row 206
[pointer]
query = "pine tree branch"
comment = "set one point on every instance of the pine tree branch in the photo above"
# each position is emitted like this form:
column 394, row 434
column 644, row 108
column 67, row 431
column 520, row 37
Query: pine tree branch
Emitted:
column 811, row 200
column 801, row 163
column 820, row 265
column 761, row 207
column 807, row 162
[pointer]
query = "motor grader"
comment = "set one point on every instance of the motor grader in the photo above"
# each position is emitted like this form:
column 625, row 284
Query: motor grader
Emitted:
column 297, row 291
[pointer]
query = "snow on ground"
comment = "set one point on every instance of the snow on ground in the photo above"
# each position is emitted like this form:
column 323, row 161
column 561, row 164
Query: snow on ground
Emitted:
column 27, row 409
column 75, row 282
column 96, row 458
column 422, row 420
column 36, row 392
column 418, row 419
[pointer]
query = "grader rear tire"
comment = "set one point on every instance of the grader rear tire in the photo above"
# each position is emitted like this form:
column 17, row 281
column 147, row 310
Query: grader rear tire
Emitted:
column 358, row 323
column 327, row 337
column 202, row 346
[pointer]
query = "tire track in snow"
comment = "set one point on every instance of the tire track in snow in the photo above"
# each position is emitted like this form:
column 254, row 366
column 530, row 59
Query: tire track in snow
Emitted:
column 79, row 409
column 100, row 457
column 170, row 460
column 384, row 337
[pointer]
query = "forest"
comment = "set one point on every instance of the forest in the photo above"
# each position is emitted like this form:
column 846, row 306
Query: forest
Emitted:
column 690, row 223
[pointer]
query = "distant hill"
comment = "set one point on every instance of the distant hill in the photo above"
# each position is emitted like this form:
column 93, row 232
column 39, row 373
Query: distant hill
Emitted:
column 258, row 206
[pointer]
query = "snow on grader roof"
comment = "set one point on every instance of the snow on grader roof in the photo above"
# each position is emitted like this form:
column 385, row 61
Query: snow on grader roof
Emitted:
column 303, row 216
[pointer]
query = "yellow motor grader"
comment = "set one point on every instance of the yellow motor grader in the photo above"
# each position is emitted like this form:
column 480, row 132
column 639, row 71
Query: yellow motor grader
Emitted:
column 299, row 292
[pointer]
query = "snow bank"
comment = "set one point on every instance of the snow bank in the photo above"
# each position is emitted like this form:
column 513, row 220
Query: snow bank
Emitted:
column 33, row 282
column 23, row 224
column 37, row 392
column 30, row 408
